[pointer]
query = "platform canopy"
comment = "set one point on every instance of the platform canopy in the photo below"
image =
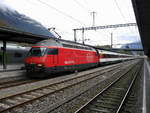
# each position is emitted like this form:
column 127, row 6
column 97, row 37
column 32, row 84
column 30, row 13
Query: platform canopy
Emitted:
column 142, row 13
column 20, row 28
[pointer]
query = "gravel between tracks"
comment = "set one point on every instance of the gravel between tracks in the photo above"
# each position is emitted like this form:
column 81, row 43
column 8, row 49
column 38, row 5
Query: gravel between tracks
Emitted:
column 30, row 86
column 76, row 103
column 55, row 99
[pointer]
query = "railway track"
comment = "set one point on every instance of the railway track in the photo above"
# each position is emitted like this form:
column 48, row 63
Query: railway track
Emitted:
column 22, row 80
column 16, row 83
column 13, row 103
column 133, row 101
column 112, row 99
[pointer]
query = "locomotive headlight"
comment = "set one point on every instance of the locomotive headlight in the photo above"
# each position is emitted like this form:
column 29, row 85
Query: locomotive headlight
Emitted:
column 39, row 65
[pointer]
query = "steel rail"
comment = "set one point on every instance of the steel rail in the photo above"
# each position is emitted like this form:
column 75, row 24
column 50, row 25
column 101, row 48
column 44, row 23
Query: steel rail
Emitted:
column 68, row 79
column 85, row 105
column 51, row 108
column 129, row 89
column 54, row 91
column 16, row 83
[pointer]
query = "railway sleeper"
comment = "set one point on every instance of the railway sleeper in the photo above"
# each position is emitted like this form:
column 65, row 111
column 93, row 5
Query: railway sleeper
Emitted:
column 44, row 91
column 114, row 95
column 102, row 105
column 106, row 102
column 12, row 101
column 4, row 106
column 28, row 97
column 115, row 92
column 129, row 106
column 132, row 98
column 110, row 99
column 117, row 89
column 99, row 110
column 128, row 111
column 131, row 102
column 35, row 94
column 106, row 106
column 20, row 99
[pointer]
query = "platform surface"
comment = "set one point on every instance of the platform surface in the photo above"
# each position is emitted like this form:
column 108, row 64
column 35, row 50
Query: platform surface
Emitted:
column 12, row 67
column 146, row 86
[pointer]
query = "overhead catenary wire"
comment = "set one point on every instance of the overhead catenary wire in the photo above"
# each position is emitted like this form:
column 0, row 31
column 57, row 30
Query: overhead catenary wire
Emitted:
column 120, row 10
column 61, row 12
column 121, row 13
column 129, row 15
column 60, row 31
column 57, row 29
column 67, row 15
column 82, row 6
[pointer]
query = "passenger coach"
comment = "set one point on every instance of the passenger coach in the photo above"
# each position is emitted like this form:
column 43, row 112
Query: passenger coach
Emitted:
column 107, row 57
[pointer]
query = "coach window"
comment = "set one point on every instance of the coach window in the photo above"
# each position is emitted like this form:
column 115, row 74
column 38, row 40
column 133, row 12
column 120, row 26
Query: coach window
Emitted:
column 1, row 59
column 17, row 54
column 52, row 51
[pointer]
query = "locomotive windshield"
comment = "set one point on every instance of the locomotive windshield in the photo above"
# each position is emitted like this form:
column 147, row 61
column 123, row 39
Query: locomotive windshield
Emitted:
column 38, row 51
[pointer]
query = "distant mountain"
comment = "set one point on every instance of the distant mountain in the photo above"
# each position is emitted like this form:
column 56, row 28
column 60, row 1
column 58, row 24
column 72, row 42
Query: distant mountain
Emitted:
column 12, row 19
column 134, row 45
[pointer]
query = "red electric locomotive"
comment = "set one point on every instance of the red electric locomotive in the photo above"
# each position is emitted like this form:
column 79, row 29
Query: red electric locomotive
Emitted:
column 52, row 56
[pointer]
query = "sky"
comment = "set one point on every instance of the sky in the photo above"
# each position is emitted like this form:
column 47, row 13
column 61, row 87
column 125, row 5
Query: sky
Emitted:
column 66, row 15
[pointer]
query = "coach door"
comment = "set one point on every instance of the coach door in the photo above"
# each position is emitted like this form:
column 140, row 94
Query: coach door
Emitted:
column 55, row 56
column 53, row 52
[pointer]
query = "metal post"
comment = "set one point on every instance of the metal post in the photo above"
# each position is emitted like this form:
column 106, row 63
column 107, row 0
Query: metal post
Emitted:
column 93, row 16
column 4, row 55
column 111, row 40
column 83, row 35
column 75, row 38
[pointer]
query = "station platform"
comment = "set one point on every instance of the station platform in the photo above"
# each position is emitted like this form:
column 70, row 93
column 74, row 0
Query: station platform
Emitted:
column 10, row 74
column 13, row 72
column 146, row 86
column 12, row 67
